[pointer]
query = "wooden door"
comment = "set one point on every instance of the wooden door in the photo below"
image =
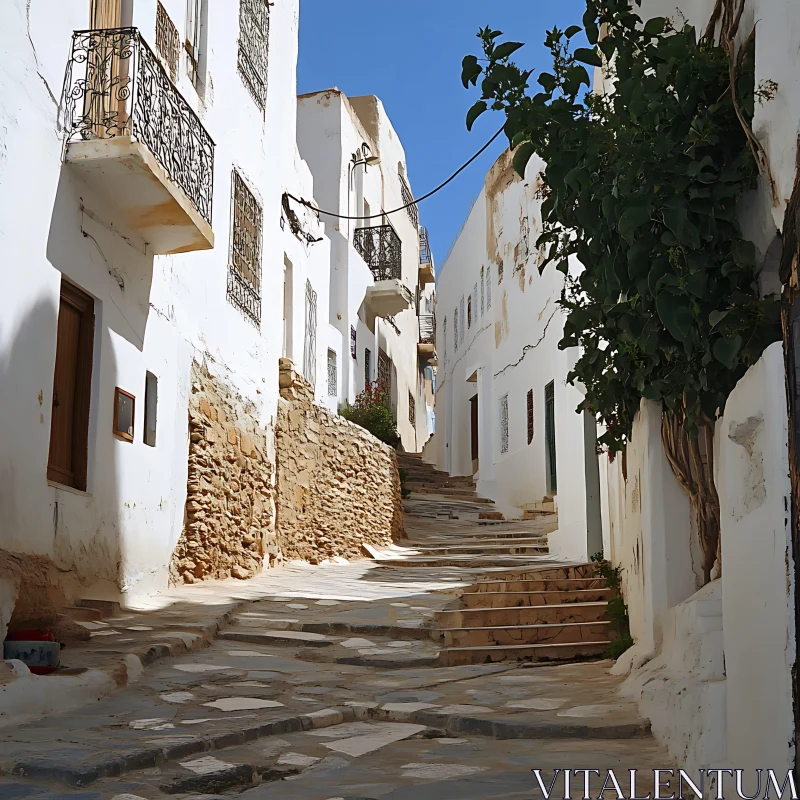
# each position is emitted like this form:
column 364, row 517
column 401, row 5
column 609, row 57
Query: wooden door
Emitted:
column 473, row 402
column 72, row 378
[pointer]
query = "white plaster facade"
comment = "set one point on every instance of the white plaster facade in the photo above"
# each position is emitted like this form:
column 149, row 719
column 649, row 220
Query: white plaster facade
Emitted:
column 153, row 314
column 498, row 328
column 335, row 135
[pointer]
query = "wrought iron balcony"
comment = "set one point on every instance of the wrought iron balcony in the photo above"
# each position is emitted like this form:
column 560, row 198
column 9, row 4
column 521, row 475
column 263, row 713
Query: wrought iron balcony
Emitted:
column 425, row 259
column 408, row 198
column 426, row 348
column 137, row 141
column 380, row 247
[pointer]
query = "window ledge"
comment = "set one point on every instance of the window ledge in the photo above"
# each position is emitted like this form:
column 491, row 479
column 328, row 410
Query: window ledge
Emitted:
column 69, row 489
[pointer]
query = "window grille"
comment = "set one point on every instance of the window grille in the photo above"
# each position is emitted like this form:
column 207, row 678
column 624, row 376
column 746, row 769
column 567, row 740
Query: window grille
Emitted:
column 504, row 424
column 488, row 288
column 367, row 367
column 254, row 47
column 353, row 351
column 244, row 269
column 384, row 372
column 455, row 328
column 310, row 346
column 475, row 298
column 483, row 291
column 168, row 42
column 332, row 387
column 530, row 416
column 408, row 197
column 462, row 318
column 412, row 409
column 192, row 44
column 444, row 336
column 469, row 312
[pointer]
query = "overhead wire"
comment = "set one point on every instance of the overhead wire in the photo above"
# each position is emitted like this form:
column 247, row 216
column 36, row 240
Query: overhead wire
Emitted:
column 414, row 202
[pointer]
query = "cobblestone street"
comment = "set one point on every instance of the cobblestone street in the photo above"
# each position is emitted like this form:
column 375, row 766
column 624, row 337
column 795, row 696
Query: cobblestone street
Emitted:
column 324, row 682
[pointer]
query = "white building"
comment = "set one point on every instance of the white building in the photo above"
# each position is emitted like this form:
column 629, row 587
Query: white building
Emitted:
column 381, row 272
column 146, row 230
column 504, row 411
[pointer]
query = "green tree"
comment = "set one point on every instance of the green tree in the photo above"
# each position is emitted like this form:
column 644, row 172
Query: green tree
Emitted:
column 641, row 186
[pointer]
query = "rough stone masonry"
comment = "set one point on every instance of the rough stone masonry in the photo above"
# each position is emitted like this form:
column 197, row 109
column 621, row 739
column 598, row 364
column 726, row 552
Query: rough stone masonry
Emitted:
column 338, row 487
column 229, row 524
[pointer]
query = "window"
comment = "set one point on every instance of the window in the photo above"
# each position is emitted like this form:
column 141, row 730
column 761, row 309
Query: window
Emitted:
column 288, row 306
column 124, row 414
column 504, row 424
column 462, row 317
column 253, row 47
column 408, row 198
column 72, row 385
column 469, row 311
column 412, row 409
column 353, row 350
column 332, row 390
column 367, row 367
column 550, row 436
column 195, row 44
column 384, row 372
column 105, row 14
column 150, row 408
column 475, row 298
column 310, row 347
column 167, row 41
column 488, row 288
column 444, row 337
column 530, row 416
column 455, row 328
column 483, row 292
column 244, row 270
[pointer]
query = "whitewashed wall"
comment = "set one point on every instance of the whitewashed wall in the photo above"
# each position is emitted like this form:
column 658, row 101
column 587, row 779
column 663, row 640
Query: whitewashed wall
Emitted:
column 510, row 346
column 118, row 536
column 331, row 128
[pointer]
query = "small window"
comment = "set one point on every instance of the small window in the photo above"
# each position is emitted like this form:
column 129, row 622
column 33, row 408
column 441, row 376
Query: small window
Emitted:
column 332, row 388
column 150, row 408
column 444, row 336
column 488, row 288
column 483, row 291
column 167, row 41
column 412, row 409
column 469, row 312
column 530, row 416
column 455, row 329
column 463, row 318
column 195, row 44
column 353, row 350
column 367, row 367
column 124, row 414
column 244, row 268
column 504, row 424
column 254, row 47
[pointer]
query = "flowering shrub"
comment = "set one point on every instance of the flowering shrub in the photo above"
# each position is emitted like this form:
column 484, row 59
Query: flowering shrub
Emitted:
column 372, row 411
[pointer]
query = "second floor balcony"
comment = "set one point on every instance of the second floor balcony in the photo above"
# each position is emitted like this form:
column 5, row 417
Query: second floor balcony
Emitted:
column 382, row 250
column 426, row 347
column 425, row 259
column 137, row 142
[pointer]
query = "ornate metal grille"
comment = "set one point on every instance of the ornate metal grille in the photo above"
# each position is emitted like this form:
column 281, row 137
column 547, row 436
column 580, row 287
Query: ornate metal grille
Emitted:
column 380, row 247
column 384, row 372
column 244, row 269
column 115, row 86
column 469, row 312
column 475, row 299
column 488, row 288
column 367, row 367
column 424, row 246
column 405, row 191
column 427, row 329
column 412, row 409
column 332, row 388
column 455, row 328
column 254, row 47
column 167, row 41
column 310, row 347
column 530, row 416
column 353, row 350
column 462, row 317
column 483, row 292
column 504, row 424
column 392, row 324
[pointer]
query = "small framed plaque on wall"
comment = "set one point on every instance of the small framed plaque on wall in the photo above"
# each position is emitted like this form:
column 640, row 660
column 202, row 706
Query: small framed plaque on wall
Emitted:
column 124, row 407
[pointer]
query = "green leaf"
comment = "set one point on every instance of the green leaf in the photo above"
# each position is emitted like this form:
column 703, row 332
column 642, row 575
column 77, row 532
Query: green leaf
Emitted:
column 470, row 70
column 506, row 49
column 572, row 30
column 590, row 25
column 674, row 312
column 631, row 220
column 655, row 26
column 522, row 155
column 475, row 112
column 547, row 81
column 715, row 317
column 588, row 56
column 651, row 392
column 726, row 351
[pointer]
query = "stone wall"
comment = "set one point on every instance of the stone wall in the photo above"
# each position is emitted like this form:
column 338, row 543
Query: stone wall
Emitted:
column 338, row 487
column 229, row 521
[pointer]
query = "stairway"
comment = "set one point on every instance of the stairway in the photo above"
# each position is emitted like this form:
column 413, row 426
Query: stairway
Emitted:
column 548, row 614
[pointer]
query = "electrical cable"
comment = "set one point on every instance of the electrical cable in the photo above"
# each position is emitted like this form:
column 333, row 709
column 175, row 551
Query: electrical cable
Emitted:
column 441, row 186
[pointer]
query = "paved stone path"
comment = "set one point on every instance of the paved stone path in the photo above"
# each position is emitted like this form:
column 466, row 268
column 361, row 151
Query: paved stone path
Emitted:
column 323, row 684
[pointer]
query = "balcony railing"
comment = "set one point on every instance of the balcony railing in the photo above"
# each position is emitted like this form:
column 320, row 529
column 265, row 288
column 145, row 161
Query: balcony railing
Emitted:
column 424, row 246
column 413, row 210
column 427, row 329
column 380, row 247
column 116, row 87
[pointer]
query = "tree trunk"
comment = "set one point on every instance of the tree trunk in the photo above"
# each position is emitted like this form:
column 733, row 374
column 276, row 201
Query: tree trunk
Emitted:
column 692, row 461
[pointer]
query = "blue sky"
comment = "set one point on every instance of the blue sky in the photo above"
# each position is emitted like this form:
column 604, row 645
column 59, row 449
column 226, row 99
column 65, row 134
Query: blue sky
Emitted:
column 409, row 54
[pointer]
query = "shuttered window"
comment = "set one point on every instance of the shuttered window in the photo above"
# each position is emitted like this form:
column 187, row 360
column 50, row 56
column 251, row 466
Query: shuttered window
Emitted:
column 72, row 384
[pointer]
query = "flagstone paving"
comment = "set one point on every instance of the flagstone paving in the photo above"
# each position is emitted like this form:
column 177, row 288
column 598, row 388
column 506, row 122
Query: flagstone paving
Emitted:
column 325, row 684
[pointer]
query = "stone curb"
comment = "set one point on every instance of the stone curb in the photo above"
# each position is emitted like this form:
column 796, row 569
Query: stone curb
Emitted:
column 453, row 724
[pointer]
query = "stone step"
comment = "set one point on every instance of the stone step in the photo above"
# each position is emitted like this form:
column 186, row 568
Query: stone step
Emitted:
column 534, row 548
column 548, row 585
column 549, row 573
column 457, row 496
column 494, row 535
column 390, row 559
column 512, row 599
column 537, row 514
column 571, row 632
column 522, row 615
column 458, row 656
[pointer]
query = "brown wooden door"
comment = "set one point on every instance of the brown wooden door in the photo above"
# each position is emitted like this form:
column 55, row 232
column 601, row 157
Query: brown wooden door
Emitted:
column 105, row 13
column 473, row 402
column 69, row 422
